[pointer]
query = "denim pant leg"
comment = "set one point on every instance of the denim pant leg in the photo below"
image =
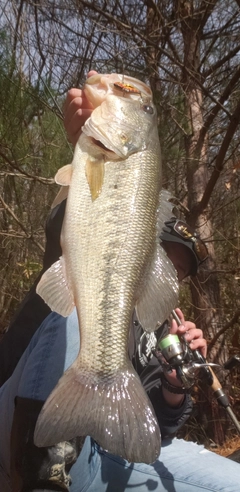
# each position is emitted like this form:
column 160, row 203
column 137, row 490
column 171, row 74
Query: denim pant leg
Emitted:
column 52, row 350
column 182, row 467
column 56, row 349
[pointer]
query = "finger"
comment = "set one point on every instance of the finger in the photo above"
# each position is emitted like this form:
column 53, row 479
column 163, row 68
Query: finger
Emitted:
column 71, row 95
column 174, row 327
column 76, row 99
column 74, row 138
column 74, row 120
column 193, row 334
column 196, row 341
column 76, row 111
column 74, row 125
column 187, row 327
column 199, row 344
column 180, row 315
column 91, row 73
column 70, row 111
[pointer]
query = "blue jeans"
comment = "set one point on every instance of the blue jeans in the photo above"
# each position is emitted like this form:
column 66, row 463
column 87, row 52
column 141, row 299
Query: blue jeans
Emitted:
column 182, row 466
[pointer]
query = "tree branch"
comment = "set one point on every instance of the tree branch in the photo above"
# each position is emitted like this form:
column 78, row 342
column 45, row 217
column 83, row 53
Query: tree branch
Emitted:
column 235, row 119
column 28, row 236
column 228, row 325
column 24, row 173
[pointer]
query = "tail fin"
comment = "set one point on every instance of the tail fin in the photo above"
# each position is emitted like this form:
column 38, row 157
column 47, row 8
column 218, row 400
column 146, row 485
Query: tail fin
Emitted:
column 116, row 412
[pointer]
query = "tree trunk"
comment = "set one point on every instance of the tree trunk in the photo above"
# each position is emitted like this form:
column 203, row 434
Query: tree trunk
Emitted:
column 205, row 287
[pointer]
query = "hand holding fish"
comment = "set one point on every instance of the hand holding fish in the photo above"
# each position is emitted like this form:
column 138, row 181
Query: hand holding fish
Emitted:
column 76, row 110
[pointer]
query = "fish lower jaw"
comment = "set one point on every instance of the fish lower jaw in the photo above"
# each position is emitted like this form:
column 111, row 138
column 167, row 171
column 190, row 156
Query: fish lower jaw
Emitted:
column 103, row 147
column 111, row 154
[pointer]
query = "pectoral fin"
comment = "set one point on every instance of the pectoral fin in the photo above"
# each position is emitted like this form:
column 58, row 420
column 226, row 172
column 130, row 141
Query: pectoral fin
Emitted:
column 54, row 289
column 62, row 195
column 158, row 294
column 64, row 175
column 95, row 175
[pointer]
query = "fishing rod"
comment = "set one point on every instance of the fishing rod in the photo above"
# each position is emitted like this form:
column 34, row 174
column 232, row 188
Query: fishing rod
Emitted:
column 189, row 363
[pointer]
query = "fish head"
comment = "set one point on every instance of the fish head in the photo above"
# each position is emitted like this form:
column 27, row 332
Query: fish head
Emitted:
column 124, row 119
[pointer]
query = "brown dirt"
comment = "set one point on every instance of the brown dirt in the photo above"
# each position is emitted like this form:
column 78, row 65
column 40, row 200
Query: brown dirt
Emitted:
column 230, row 449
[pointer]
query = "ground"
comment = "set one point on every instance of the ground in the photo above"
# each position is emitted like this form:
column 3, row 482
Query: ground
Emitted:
column 230, row 449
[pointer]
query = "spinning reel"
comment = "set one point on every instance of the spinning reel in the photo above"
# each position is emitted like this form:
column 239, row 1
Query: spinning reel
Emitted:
column 174, row 353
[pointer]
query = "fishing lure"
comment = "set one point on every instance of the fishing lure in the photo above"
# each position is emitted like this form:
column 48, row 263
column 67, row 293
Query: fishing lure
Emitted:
column 126, row 88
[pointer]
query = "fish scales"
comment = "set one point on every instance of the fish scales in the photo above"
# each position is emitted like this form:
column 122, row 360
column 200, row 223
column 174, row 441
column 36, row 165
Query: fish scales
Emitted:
column 108, row 239
column 115, row 239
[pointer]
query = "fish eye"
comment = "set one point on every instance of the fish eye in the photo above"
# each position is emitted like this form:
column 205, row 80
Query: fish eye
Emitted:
column 148, row 109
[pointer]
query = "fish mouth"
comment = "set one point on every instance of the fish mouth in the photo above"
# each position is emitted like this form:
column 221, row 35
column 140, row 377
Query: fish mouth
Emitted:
column 98, row 143
column 110, row 153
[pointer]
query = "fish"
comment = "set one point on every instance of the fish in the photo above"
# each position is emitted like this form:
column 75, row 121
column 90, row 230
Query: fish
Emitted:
column 111, row 263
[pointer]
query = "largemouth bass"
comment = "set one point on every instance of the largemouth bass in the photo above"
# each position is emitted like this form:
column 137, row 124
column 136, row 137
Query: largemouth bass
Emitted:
column 111, row 262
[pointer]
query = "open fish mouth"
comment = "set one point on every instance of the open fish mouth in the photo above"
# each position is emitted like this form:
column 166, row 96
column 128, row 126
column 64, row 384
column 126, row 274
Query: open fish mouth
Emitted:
column 99, row 144
column 111, row 125
column 105, row 150
column 120, row 149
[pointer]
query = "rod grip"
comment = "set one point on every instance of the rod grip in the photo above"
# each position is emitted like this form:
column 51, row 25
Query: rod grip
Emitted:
column 216, row 385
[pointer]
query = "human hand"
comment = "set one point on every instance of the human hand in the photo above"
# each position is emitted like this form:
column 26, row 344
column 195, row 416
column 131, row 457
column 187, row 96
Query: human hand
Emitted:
column 76, row 111
column 192, row 334
column 194, row 337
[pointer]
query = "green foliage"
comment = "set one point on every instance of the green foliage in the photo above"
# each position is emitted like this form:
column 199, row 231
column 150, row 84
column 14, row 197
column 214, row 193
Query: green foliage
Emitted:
column 33, row 146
